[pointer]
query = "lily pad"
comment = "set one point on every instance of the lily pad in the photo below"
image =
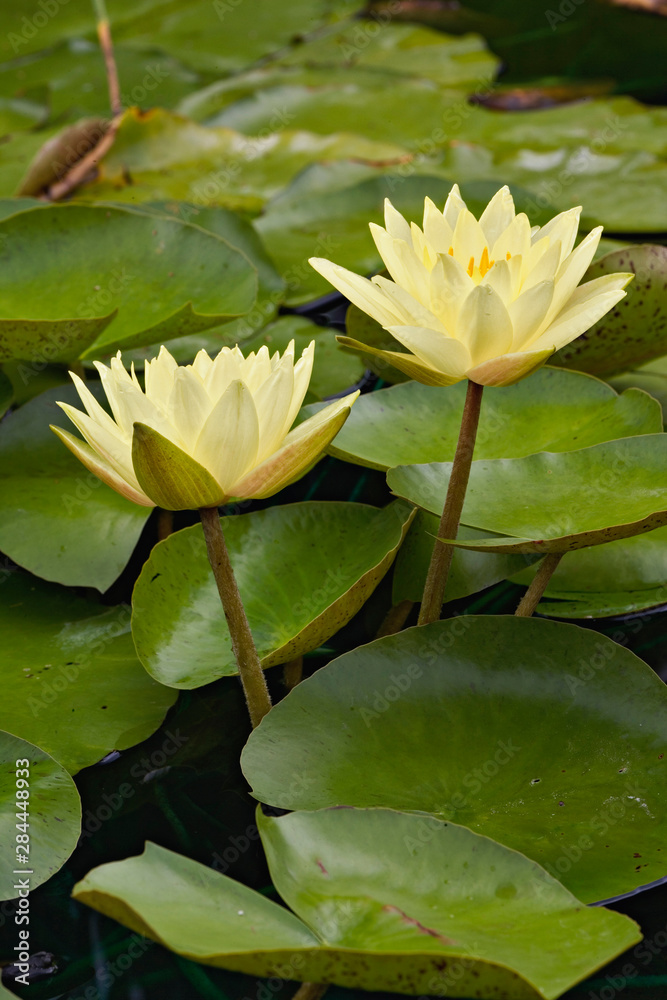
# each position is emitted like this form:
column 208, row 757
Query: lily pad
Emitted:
column 240, row 234
column 553, row 410
column 553, row 502
column 72, row 683
column 56, row 519
column 303, row 571
column 47, row 797
column 545, row 736
column 615, row 579
column 224, row 36
column 404, row 921
column 634, row 331
column 158, row 156
column 469, row 573
column 118, row 261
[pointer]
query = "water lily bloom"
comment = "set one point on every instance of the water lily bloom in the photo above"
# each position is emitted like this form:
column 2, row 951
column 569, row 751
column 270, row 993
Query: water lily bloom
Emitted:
column 204, row 433
column 487, row 300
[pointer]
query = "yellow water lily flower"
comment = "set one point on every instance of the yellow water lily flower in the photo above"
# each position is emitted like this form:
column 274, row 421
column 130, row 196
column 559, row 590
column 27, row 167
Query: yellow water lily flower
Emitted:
column 487, row 300
column 203, row 433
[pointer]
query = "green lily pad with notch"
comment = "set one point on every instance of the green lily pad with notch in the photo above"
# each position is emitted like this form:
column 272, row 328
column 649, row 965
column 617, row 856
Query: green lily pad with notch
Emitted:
column 72, row 683
column 469, row 573
column 552, row 502
column 53, row 815
column 553, row 410
column 457, row 913
column 303, row 571
column 270, row 285
column 58, row 520
column 634, row 331
column 164, row 278
column 614, row 579
column 160, row 156
column 547, row 737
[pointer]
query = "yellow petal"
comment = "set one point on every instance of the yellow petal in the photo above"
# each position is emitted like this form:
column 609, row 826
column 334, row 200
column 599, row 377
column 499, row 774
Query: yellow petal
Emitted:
column 509, row 368
column 437, row 231
column 585, row 307
column 302, row 372
column 484, row 325
column 497, row 215
column 302, row 448
column 403, row 264
column 394, row 222
column 187, row 407
column 514, row 240
column 159, row 375
column 570, row 274
column 273, row 402
column 527, row 312
column 114, row 451
column 442, row 353
column 225, row 369
column 453, row 207
column 95, row 464
column 562, row 228
column 469, row 239
column 256, row 368
column 408, row 310
column 409, row 364
column 360, row 291
column 544, row 269
column 229, row 440
column 450, row 286
column 97, row 413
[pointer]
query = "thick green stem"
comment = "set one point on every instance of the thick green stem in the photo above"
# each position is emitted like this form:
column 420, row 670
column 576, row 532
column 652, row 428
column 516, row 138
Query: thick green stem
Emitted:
column 533, row 595
column 441, row 560
column 250, row 669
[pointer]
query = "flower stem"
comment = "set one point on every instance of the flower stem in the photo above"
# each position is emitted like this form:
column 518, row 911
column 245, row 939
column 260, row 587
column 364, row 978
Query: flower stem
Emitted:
column 104, row 35
column 293, row 672
column 438, row 571
column 532, row 597
column 250, row 669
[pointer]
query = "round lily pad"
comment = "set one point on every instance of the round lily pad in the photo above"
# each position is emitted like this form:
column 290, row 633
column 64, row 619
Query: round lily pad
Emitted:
column 553, row 502
column 553, row 410
column 154, row 277
column 381, row 901
column 549, row 738
column 57, row 519
column 40, row 816
column 72, row 683
column 635, row 329
column 303, row 571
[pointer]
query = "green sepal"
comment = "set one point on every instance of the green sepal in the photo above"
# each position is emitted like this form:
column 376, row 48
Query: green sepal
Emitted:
column 169, row 476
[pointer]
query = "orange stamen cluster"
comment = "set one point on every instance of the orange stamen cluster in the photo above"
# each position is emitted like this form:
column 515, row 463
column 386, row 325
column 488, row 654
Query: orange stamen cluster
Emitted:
column 484, row 263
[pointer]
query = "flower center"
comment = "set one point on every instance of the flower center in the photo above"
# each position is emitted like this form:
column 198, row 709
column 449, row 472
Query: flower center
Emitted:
column 484, row 263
